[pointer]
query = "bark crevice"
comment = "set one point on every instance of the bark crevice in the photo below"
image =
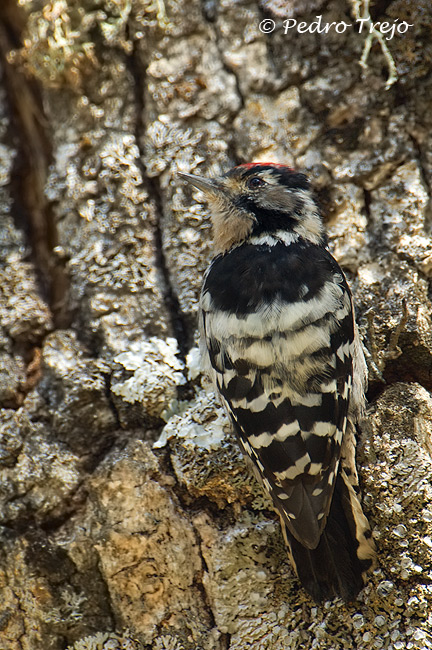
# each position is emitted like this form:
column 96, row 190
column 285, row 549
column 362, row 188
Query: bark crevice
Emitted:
column 31, row 209
column 177, row 318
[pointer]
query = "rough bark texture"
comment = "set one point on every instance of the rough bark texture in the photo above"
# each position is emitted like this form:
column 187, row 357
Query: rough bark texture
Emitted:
column 110, row 542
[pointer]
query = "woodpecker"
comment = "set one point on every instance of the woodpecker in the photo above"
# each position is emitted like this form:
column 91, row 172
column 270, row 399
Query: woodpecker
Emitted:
column 279, row 339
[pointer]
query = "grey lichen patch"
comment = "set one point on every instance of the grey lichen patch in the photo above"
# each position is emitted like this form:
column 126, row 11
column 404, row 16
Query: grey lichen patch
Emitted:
column 168, row 643
column 107, row 641
column 24, row 316
column 157, row 372
column 106, row 184
column 117, row 169
column 205, row 455
column 297, row 624
column 245, row 562
column 155, row 24
column 166, row 140
column 200, row 424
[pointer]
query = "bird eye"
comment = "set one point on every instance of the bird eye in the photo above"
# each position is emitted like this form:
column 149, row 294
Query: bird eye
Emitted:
column 254, row 182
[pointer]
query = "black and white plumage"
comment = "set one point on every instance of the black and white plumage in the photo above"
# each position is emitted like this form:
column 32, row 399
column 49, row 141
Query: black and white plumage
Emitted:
column 278, row 331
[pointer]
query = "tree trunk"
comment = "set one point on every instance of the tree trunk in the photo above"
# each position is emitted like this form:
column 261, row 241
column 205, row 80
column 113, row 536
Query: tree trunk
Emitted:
column 110, row 541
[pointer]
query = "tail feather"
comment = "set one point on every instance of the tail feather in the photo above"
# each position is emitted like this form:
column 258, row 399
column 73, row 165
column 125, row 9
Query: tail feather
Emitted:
column 336, row 567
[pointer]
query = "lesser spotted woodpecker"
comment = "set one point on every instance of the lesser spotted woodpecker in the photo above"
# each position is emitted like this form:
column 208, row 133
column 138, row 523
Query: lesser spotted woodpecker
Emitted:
column 279, row 334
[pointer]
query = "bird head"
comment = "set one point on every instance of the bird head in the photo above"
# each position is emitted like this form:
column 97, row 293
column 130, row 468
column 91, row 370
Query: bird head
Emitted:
column 259, row 199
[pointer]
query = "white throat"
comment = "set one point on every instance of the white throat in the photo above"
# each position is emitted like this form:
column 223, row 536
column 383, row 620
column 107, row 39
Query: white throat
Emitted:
column 277, row 237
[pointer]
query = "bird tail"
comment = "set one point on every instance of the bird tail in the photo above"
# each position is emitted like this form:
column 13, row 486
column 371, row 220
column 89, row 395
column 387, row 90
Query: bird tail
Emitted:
column 337, row 566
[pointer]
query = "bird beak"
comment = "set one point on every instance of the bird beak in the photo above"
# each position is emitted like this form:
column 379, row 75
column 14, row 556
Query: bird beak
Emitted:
column 204, row 184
